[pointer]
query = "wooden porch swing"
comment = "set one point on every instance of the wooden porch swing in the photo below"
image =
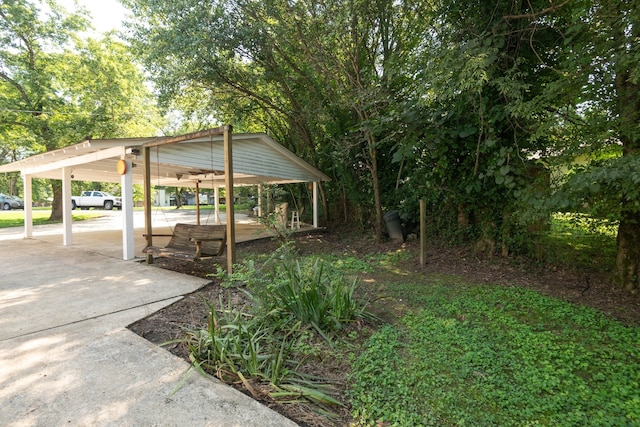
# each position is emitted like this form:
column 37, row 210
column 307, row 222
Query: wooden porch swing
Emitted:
column 194, row 241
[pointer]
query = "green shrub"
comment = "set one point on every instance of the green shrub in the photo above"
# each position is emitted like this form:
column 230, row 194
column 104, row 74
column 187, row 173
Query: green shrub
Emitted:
column 232, row 343
column 239, row 347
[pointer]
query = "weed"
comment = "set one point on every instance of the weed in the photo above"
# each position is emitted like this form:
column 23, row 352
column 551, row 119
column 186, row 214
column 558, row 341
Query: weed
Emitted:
column 249, row 271
column 278, row 225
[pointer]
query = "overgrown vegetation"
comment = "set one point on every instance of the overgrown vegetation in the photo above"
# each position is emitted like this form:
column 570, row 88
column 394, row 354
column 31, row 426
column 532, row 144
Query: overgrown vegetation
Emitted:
column 577, row 241
column 495, row 113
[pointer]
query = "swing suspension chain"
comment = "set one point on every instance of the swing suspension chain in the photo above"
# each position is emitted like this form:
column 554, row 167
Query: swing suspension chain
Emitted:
column 159, row 207
column 213, row 182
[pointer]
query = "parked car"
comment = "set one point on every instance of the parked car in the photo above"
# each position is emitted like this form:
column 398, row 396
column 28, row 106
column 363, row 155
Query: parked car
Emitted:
column 10, row 202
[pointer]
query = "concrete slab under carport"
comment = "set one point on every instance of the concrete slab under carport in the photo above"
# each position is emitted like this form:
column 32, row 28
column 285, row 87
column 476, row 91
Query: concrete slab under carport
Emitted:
column 107, row 242
column 103, row 234
column 66, row 356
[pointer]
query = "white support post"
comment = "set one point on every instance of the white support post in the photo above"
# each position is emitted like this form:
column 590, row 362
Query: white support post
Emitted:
column 126, row 184
column 148, row 229
column 315, row 205
column 66, row 207
column 259, row 200
column 28, row 207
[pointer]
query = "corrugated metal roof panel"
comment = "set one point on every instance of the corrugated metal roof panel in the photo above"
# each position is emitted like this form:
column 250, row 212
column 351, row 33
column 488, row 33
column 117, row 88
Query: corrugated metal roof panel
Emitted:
column 257, row 158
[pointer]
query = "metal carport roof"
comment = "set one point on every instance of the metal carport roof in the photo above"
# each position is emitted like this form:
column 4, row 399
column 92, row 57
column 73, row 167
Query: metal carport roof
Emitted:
column 257, row 159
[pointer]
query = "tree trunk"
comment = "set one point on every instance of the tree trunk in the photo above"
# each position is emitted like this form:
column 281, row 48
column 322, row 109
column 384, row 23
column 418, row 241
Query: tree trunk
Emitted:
column 373, row 153
column 628, row 252
column 179, row 198
column 56, row 204
column 628, row 105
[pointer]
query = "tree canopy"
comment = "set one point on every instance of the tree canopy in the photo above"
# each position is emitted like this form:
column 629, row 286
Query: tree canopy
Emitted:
column 497, row 113
column 57, row 89
column 474, row 106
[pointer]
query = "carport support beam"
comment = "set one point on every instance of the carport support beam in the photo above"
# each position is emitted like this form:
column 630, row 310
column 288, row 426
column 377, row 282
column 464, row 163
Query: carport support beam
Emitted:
column 228, row 180
column 126, row 184
column 198, row 202
column 146, row 152
column 315, row 204
column 66, row 207
column 28, row 204
column 216, row 203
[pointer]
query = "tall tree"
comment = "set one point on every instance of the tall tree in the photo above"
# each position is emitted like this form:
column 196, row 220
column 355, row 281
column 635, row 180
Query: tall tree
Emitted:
column 515, row 84
column 314, row 74
column 603, row 48
column 26, row 75
column 57, row 90
column 626, row 36
column 480, row 108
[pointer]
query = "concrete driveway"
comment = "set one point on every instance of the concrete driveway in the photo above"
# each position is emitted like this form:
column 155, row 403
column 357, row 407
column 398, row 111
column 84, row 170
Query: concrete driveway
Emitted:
column 66, row 357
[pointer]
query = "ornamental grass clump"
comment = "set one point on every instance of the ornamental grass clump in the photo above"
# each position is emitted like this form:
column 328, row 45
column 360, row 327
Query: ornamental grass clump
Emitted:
column 257, row 353
column 262, row 345
column 309, row 292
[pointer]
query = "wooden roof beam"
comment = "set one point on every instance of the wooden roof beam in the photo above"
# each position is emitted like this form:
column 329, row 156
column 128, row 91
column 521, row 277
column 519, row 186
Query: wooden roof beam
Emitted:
column 180, row 138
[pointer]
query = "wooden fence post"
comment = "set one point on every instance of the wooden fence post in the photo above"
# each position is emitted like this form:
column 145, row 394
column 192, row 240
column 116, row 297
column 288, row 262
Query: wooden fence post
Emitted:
column 423, row 232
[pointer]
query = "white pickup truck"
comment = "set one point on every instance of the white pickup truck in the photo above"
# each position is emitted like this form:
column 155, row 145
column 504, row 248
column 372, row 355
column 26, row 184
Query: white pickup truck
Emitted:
column 96, row 199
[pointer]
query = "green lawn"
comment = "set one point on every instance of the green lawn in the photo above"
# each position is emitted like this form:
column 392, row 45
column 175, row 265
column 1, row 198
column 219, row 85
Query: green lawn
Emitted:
column 492, row 355
column 478, row 355
column 15, row 218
